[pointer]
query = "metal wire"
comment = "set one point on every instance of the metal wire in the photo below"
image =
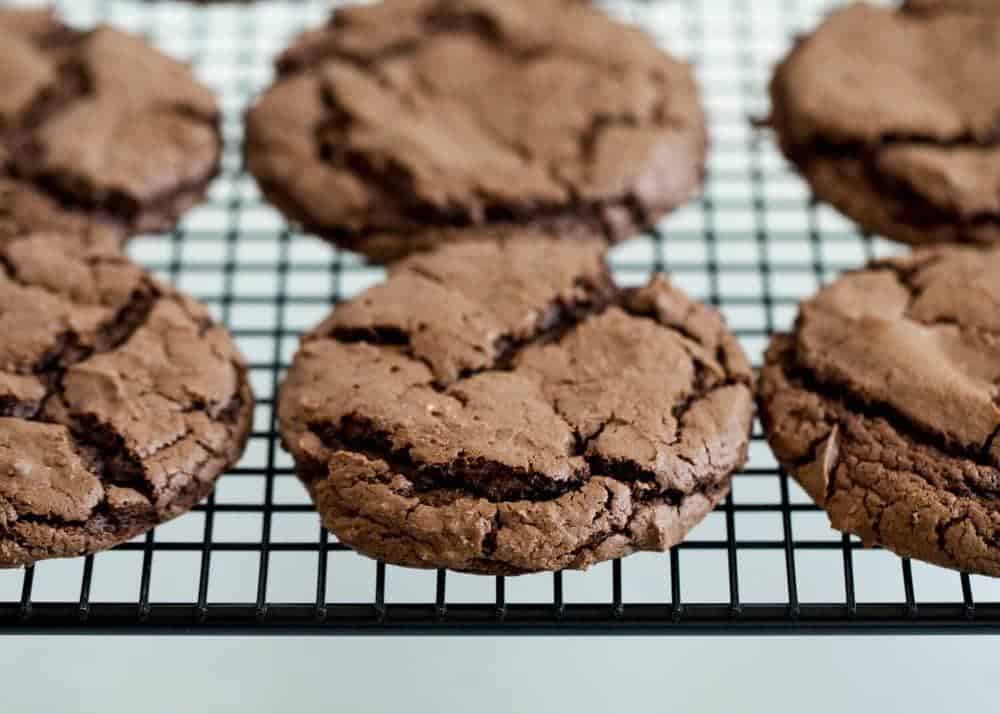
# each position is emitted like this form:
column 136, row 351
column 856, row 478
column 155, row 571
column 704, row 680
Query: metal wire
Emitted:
column 253, row 560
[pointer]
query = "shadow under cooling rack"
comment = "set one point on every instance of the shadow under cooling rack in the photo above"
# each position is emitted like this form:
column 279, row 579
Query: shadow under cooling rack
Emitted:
column 253, row 559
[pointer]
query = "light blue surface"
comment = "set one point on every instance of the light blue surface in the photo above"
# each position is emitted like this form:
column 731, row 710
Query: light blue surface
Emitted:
column 487, row 676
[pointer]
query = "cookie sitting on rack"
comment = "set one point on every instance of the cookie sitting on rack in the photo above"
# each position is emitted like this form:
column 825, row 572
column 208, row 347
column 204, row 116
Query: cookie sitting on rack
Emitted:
column 499, row 406
column 101, row 136
column 121, row 401
column 411, row 115
column 892, row 116
column 884, row 403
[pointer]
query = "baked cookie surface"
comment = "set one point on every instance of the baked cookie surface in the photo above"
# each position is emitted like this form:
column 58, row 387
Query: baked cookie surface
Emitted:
column 120, row 400
column 499, row 406
column 884, row 403
column 100, row 134
column 981, row 6
column 892, row 116
column 410, row 115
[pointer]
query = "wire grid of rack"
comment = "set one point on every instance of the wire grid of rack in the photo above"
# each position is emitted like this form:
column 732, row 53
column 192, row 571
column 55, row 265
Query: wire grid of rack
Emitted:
column 253, row 558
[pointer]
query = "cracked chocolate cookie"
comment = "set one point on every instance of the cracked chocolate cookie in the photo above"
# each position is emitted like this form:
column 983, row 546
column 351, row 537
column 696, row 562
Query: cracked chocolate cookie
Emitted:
column 100, row 134
column 120, row 400
column 884, row 403
column 408, row 116
column 499, row 406
column 892, row 116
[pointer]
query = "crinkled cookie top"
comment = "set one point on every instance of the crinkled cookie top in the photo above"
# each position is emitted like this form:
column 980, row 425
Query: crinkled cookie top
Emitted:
column 885, row 403
column 508, row 390
column 414, row 114
column 120, row 400
column 98, row 130
column 893, row 116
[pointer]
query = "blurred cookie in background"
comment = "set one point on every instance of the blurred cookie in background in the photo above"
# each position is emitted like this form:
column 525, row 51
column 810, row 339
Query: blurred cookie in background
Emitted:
column 414, row 115
column 101, row 135
column 892, row 117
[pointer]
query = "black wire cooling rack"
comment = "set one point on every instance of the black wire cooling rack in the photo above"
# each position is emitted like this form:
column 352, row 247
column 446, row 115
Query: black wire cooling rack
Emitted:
column 253, row 559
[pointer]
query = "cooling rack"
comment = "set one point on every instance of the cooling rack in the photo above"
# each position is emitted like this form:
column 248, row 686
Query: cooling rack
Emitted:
column 253, row 559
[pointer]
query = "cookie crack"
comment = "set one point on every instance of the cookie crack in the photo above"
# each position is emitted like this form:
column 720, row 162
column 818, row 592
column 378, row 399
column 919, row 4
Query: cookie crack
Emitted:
column 125, row 467
column 68, row 351
column 673, row 499
column 966, row 139
column 556, row 319
column 109, row 329
column 636, row 309
column 630, row 472
column 88, row 449
column 476, row 477
column 598, row 124
column 942, row 527
column 11, row 406
column 434, row 22
column 965, row 488
column 559, row 318
column 103, row 524
column 72, row 82
column 490, row 540
column 804, row 378
column 109, row 336
column 496, row 481
column 77, row 193
column 101, row 518
column 906, row 276
column 920, row 210
column 104, row 454
column 393, row 182
column 583, row 442
column 603, row 522
column 840, row 412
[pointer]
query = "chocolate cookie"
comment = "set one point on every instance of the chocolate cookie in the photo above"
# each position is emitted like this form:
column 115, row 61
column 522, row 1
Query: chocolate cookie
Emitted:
column 884, row 403
column 411, row 115
column 100, row 134
column 120, row 401
column 499, row 406
column 984, row 6
column 892, row 117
